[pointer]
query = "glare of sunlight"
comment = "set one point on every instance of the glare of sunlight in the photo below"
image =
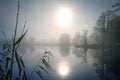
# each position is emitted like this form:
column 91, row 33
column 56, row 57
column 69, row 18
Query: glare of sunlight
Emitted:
column 63, row 70
column 63, row 17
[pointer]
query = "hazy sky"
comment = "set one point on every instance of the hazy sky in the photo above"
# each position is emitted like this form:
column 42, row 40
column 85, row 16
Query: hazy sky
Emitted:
column 40, row 16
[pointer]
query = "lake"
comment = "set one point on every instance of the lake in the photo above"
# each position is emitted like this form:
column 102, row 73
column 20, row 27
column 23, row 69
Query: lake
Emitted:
column 80, row 63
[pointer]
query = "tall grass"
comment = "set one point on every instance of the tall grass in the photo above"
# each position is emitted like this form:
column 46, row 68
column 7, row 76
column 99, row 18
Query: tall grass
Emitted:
column 9, row 57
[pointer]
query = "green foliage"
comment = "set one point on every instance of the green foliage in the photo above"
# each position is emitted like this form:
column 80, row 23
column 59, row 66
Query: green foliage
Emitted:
column 43, row 65
column 20, row 38
column 4, row 63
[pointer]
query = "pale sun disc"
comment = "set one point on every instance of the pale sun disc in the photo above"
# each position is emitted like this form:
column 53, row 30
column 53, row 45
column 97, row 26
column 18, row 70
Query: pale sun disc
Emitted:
column 63, row 17
column 63, row 70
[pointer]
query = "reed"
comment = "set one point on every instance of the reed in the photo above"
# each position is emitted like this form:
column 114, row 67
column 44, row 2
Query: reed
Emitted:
column 9, row 56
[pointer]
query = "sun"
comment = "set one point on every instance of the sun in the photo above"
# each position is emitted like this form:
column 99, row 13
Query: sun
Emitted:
column 63, row 70
column 63, row 17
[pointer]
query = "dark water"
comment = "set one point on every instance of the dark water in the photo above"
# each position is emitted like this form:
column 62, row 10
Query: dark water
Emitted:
column 80, row 62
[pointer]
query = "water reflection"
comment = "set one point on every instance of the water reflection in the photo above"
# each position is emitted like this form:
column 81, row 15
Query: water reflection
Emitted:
column 106, row 65
column 77, row 52
column 78, row 58
column 80, row 53
column 98, row 63
column 64, row 50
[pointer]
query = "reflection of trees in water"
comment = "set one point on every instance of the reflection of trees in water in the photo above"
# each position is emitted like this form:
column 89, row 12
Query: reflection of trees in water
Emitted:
column 64, row 50
column 80, row 53
column 99, row 69
column 98, row 63
column 77, row 52
column 112, row 61
column 109, row 68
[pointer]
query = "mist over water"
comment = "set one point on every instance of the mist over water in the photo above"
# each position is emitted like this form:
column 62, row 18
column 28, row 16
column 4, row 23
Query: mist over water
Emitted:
column 83, row 36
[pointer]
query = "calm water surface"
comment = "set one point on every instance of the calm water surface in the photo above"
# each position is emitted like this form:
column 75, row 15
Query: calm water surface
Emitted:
column 80, row 63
